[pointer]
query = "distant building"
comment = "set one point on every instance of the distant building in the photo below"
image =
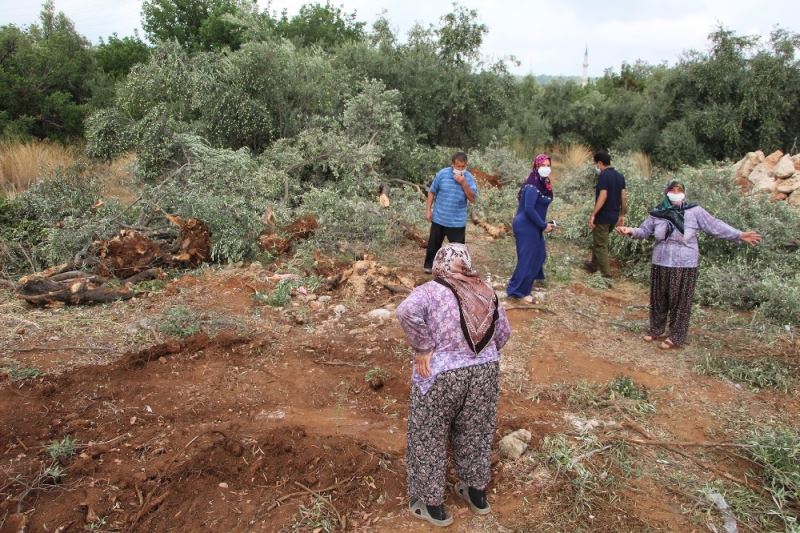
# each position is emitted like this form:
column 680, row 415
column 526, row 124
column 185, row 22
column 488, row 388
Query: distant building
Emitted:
column 585, row 74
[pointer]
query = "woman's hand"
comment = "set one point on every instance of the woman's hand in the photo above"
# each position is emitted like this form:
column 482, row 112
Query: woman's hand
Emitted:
column 423, row 364
column 624, row 230
column 548, row 228
column 750, row 237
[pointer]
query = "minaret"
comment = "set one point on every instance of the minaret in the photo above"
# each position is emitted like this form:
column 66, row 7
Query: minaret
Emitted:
column 585, row 75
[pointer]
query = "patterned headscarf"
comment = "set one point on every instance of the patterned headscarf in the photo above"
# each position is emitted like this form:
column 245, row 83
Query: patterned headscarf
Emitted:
column 477, row 303
column 674, row 214
column 543, row 184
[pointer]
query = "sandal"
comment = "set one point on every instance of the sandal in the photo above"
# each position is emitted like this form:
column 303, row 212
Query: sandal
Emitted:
column 668, row 345
column 651, row 338
column 420, row 510
column 461, row 490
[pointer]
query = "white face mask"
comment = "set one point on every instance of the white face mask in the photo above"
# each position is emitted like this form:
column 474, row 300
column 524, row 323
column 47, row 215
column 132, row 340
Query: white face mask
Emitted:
column 544, row 171
column 597, row 170
column 676, row 197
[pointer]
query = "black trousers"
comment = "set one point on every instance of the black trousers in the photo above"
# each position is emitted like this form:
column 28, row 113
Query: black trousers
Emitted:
column 436, row 238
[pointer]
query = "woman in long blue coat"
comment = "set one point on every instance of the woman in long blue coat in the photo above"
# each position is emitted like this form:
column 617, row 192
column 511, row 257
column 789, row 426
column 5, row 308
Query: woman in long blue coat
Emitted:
column 530, row 224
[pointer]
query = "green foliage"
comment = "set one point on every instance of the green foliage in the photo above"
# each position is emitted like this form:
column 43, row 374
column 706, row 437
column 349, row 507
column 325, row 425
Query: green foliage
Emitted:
column 589, row 466
column 758, row 373
column 247, row 98
column 45, row 77
column 777, row 452
column 625, row 387
column 323, row 25
column 53, row 221
column 66, row 194
column 17, row 233
column 280, row 296
column 179, row 321
column 195, row 24
column 15, row 372
column 224, row 189
column 117, row 56
column 376, row 372
column 459, row 36
column 599, row 282
column 500, row 161
column 53, row 473
column 61, row 450
column 678, row 146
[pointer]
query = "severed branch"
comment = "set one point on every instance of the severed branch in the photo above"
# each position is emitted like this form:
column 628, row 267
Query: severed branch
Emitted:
column 630, row 424
column 63, row 348
column 495, row 231
column 415, row 186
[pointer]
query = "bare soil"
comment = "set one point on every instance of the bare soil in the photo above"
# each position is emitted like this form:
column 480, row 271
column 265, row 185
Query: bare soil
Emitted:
column 265, row 420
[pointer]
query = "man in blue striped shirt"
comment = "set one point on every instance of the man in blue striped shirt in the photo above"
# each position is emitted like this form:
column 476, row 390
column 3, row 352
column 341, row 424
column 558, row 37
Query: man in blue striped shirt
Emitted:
column 446, row 207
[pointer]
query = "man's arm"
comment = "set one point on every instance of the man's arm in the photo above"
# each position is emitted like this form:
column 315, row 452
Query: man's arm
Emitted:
column 623, row 207
column 462, row 180
column 429, row 206
column 598, row 205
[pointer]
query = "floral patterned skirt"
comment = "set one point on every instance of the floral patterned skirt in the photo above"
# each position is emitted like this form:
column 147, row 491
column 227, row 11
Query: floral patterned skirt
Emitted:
column 460, row 408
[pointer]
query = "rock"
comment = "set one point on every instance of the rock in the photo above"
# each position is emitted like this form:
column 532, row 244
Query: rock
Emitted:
column 772, row 159
column 515, row 443
column 761, row 180
column 794, row 199
column 788, row 185
column 538, row 297
column 784, row 168
column 521, row 434
column 745, row 166
column 324, row 299
column 778, row 197
column 796, row 161
column 223, row 485
column 501, row 295
column 339, row 310
column 380, row 314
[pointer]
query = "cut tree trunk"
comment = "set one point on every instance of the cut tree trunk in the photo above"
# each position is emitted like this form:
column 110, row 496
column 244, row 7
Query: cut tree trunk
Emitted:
column 43, row 291
column 495, row 231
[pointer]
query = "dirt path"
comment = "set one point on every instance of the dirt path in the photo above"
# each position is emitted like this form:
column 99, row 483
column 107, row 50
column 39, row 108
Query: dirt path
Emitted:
column 212, row 432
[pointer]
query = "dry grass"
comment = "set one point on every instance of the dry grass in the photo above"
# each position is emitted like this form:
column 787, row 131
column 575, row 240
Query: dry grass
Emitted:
column 563, row 157
column 22, row 162
column 117, row 177
column 575, row 155
column 642, row 164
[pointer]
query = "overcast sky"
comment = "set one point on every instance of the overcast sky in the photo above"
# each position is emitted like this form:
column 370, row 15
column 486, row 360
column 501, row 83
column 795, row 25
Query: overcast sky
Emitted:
column 546, row 37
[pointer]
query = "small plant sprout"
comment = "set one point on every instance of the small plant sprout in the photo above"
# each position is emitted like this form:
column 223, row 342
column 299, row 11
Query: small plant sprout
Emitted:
column 63, row 449
column 376, row 377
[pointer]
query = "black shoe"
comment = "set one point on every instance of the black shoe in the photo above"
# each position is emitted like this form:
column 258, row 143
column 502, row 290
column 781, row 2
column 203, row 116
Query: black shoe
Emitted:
column 478, row 498
column 433, row 514
column 437, row 512
column 475, row 498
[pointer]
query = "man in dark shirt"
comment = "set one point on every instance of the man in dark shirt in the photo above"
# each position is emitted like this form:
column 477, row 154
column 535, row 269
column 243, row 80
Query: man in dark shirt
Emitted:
column 610, row 203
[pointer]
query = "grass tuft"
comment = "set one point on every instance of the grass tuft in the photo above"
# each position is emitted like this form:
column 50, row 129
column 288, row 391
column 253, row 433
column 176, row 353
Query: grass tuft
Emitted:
column 760, row 373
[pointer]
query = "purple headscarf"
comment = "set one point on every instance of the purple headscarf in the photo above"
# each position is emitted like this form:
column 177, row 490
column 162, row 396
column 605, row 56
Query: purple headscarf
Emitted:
column 543, row 184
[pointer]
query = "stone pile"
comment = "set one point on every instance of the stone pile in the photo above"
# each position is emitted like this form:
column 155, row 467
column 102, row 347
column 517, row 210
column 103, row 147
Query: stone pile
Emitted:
column 777, row 174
